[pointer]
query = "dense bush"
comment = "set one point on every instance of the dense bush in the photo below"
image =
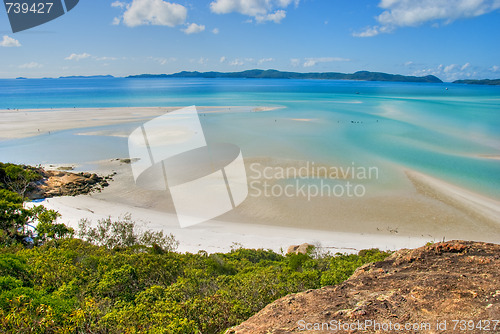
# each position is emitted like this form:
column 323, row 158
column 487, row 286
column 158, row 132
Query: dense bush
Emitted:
column 73, row 286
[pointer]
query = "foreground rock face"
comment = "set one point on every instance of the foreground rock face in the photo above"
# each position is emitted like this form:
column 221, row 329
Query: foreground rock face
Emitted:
column 59, row 183
column 429, row 288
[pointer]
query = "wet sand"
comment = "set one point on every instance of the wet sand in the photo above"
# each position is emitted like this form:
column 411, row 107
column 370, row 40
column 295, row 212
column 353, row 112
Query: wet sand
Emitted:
column 33, row 122
column 426, row 210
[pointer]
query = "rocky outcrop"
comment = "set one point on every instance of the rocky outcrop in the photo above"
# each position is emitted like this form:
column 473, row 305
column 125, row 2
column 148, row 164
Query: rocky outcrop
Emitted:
column 299, row 249
column 448, row 287
column 60, row 183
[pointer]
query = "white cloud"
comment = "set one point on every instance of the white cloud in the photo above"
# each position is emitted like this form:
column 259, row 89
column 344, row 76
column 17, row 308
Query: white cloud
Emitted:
column 449, row 68
column 373, row 31
column 450, row 72
column 202, row 61
column 104, row 58
column 265, row 60
column 237, row 62
column 295, row 62
column 151, row 12
column 9, row 42
column 116, row 21
column 368, row 32
column 78, row 57
column 222, row 59
column 31, row 65
column 495, row 68
column 276, row 17
column 215, row 31
column 465, row 66
column 409, row 63
column 193, row 28
column 260, row 10
column 309, row 62
column 118, row 4
column 411, row 13
column 163, row 61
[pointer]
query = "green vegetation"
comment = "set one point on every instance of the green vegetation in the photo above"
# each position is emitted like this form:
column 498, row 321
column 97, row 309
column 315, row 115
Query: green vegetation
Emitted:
column 18, row 178
column 118, row 279
column 17, row 224
column 124, row 233
column 73, row 286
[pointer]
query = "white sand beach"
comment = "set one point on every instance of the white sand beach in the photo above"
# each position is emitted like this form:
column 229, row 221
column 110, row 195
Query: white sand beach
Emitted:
column 22, row 123
column 431, row 210
column 218, row 236
column 423, row 209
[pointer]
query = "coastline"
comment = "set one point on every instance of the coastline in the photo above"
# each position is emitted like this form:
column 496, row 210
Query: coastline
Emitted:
column 217, row 236
column 422, row 209
column 415, row 217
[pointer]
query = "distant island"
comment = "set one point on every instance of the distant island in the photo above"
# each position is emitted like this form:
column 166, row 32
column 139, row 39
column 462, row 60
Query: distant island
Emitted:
column 274, row 74
column 87, row 77
column 493, row 82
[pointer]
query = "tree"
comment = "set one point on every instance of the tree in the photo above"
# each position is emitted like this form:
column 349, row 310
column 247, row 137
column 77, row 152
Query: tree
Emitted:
column 12, row 217
column 47, row 228
column 18, row 178
column 124, row 233
column 28, row 226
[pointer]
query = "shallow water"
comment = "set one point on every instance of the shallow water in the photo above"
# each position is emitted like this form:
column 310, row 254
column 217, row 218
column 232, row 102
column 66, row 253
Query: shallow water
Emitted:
column 420, row 126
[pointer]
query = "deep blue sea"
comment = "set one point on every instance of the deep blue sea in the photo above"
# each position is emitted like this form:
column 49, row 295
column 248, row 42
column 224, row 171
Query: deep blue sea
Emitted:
column 444, row 130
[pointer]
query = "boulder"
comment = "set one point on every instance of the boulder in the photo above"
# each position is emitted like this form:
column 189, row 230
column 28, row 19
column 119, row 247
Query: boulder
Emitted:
column 299, row 249
column 435, row 284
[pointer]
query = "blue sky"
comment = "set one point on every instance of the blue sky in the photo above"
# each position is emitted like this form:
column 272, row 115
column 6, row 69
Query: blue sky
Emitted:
column 452, row 39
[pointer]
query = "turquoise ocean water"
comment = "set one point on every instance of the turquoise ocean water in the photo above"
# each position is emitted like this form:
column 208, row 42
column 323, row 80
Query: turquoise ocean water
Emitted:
column 438, row 131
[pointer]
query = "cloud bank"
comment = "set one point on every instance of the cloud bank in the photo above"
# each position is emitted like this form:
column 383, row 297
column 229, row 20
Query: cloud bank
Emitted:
column 411, row 13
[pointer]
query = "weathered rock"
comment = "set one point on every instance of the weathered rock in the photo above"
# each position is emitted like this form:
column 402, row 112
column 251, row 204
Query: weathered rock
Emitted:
column 59, row 183
column 299, row 249
column 439, row 283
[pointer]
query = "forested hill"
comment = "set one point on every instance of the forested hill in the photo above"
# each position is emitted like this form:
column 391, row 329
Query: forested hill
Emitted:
column 494, row 82
column 274, row 74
